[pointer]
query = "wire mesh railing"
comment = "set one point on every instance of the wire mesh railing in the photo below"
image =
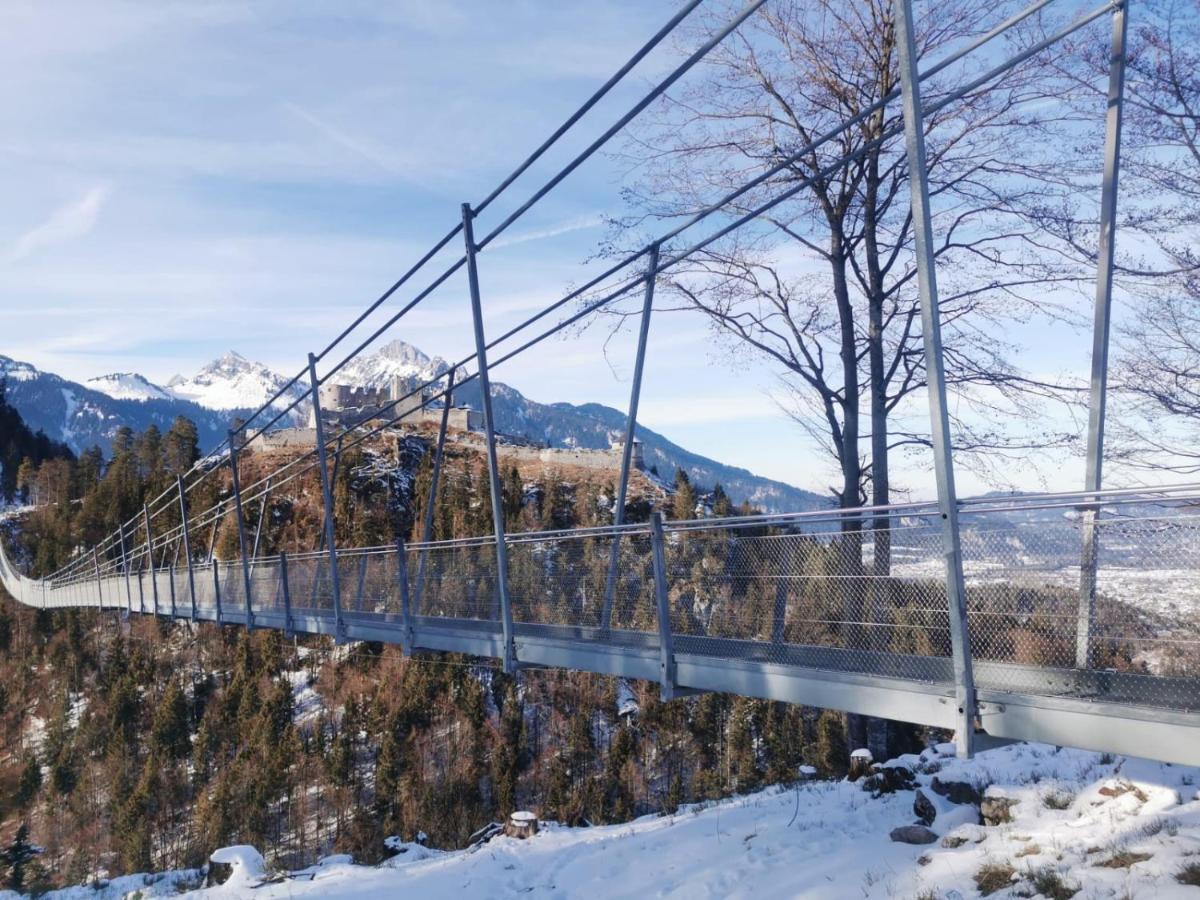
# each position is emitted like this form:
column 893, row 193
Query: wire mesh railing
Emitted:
column 851, row 592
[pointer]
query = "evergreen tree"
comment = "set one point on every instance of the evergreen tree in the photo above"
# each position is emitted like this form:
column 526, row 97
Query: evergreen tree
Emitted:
column 684, row 500
column 17, row 856
column 170, row 733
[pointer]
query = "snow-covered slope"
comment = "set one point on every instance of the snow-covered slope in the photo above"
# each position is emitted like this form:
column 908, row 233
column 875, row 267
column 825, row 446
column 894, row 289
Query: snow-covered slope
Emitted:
column 1078, row 823
column 397, row 359
column 127, row 386
column 233, row 382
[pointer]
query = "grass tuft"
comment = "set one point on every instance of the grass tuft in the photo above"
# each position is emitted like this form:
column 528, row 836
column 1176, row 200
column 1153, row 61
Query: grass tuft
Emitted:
column 994, row 876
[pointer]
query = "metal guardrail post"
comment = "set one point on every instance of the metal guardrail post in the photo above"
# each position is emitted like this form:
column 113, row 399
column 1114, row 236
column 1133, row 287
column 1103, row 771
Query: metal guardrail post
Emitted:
column 485, row 390
column 187, row 542
column 288, row 628
column 1098, row 400
column 666, row 648
column 150, row 558
column 635, row 394
column 406, row 635
column 241, row 526
column 99, row 581
column 327, row 498
column 914, row 133
column 447, row 400
column 125, row 570
column 217, row 588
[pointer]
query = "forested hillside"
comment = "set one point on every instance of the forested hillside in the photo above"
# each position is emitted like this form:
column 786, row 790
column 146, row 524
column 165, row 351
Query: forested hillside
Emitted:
column 19, row 443
column 133, row 745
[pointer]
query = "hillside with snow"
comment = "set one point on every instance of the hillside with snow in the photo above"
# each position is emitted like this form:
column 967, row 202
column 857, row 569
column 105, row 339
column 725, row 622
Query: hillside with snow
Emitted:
column 127, row 386
column 1055, row 823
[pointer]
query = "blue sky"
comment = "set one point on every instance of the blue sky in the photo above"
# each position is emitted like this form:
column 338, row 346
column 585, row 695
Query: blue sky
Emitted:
column 185, row 178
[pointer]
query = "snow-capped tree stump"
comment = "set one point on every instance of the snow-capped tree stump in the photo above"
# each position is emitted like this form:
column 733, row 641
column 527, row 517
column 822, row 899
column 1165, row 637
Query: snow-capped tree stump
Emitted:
column 522, row 824
column 860, row 763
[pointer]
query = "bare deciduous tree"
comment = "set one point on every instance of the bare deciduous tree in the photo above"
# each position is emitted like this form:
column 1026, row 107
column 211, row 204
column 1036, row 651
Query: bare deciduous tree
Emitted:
column 825, row 286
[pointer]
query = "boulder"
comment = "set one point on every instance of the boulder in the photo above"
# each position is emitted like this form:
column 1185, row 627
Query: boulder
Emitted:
column 957, row 791
column 923, row 808
column 913, row 834
column 996, row 810
column 888, row 780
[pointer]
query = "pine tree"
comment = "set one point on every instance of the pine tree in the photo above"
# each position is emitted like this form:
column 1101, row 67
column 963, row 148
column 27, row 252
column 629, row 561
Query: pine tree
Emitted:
column 30, row 782
column 683, row 503
column 170, row 732
column 17, row 856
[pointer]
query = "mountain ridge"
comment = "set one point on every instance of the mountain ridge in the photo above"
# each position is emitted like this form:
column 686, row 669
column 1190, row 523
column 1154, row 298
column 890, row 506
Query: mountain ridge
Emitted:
column 233, row 386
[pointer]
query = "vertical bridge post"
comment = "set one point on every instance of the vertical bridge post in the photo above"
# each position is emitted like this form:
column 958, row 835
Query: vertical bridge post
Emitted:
column 327, row 498
column 241, row 526
column 943, row 459
column 125, row 569
column 489, row 425
column 187, row 542
column 635, row 394
column 99, row 581
column 150, row 557
column 666, row 647
column 217, row 588
column 406, row 624
column 1098, row 400
column 288, row 627
column 427, row 535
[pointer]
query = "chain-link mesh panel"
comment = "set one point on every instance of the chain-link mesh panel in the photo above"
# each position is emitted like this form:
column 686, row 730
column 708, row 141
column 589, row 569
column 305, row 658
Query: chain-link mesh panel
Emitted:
column 457, row 581
column 814, row 599
column 370, row 582
column 570, row 581
column 1030, row 631
column 310, row 584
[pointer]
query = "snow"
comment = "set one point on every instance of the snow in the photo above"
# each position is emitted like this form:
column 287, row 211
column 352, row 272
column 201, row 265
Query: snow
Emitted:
column 233, row 382
column 249, row 869
column 127, row 386
column 1128, row 827
column 395, row 359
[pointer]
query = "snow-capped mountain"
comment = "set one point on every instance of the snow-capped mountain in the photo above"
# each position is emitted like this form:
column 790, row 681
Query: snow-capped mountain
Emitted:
column 232, row 387
column 395, row 360
column 127, row 386
column 233, row 382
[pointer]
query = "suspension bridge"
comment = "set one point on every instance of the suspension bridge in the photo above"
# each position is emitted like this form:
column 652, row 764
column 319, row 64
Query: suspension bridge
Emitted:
column 1069, row 618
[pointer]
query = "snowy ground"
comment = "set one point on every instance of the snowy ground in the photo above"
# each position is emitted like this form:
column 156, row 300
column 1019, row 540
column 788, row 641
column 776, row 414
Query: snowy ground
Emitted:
column 1105, row 828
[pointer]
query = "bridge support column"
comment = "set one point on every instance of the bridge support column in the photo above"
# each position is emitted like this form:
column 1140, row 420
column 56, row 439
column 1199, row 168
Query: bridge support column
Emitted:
column 666, row 647
column 150, row 558
column 327, row 498
column 635, row 394
column 406, row 635
column 187, row 542
column 914, row 133
column 427, row 535
column 241, row 525
column 125, row 569
column 1099, row 392
column 216, row 570
column 99, row 581
column 485, row 389
column 141, row 593
column 288, row 628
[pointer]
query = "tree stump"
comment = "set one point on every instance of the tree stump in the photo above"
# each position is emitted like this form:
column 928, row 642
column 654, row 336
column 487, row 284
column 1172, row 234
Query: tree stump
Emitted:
column 860, row 763
column 522, row 825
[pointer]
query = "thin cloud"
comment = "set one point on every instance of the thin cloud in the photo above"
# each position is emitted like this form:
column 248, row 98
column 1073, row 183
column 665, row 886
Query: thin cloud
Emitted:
column 580, row 223
column 339, row 137
column 68, row 222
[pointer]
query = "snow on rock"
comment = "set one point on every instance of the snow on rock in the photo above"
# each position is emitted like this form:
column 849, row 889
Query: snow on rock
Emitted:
column 127, row 386
column 249, row 869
